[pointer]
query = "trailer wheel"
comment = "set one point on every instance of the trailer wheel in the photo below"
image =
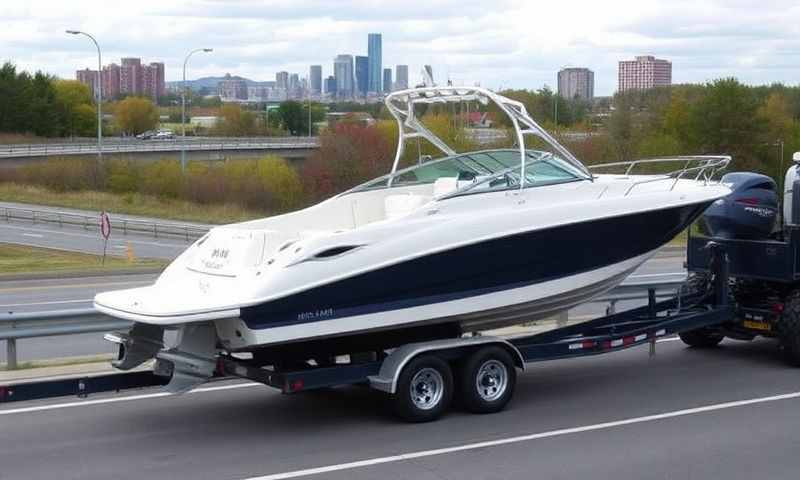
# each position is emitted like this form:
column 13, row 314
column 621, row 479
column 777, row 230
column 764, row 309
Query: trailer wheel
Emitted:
column 789, row 329
column 701, row 338
column 487, row 379
column 424, row 389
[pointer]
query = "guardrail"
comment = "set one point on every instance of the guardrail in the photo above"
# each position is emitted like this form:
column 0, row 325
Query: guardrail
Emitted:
column 88, row 222
column 167, row 145
column 14, row 326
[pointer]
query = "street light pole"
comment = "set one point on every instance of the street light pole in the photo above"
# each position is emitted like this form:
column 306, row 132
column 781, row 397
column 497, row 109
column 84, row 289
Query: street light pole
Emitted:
column 99, row 93
column 183, row 106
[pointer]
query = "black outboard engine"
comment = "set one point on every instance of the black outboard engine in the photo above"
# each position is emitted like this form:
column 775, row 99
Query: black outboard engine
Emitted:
column 749, row 212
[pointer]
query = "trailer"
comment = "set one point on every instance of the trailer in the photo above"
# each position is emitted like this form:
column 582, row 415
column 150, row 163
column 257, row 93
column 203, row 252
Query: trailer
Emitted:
column 422, row 378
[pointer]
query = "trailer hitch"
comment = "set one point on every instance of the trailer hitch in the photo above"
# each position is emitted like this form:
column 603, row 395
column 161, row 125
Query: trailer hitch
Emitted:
column 719, row 266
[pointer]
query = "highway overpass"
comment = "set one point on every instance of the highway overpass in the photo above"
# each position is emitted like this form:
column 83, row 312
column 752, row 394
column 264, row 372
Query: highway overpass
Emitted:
column 203, row 148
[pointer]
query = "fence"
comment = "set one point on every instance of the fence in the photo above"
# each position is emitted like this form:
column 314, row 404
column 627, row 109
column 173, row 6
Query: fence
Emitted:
column 14, row 326
column 149, row 227
column 167, row 145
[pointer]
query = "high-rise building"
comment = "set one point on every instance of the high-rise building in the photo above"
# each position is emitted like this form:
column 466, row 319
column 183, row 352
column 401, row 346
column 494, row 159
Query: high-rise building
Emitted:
column 111, row 81
column 330, row 85
column 232, row 88
column 129, row 78
column 315, row 79
column 401, row 77
column 282, row 80
column 374, row 52
column 343, row 72
column 294, row 84
column 88, row 77
column 153, row 80
column 644, row 72
column 387, row 80
column 362, row 75
column 576, row 83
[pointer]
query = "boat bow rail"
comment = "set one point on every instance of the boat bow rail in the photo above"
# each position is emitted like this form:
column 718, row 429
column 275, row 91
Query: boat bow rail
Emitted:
column 703, row 168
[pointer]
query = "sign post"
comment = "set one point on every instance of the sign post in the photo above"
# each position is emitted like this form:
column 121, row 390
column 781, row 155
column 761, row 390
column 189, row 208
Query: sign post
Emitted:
column 105, row 231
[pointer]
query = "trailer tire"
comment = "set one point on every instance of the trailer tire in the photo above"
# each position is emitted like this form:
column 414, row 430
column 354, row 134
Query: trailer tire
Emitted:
column 701, row 338
column 486, row 380
column 424, row 389
column 789, row 329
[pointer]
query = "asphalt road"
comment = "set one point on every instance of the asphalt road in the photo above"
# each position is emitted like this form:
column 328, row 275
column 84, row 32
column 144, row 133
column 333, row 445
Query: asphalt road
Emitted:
column 684, row 414
column 78, row 239
column 60, row 294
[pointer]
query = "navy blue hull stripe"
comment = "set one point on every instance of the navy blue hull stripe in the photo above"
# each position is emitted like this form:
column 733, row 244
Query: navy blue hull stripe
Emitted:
column 486, row 267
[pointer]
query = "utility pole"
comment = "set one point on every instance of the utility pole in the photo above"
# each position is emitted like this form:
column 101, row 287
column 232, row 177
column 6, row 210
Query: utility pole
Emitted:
column 183, row 106
column 99, row 94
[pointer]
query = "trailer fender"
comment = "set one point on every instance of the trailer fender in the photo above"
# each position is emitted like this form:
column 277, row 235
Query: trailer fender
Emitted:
column 386, row 379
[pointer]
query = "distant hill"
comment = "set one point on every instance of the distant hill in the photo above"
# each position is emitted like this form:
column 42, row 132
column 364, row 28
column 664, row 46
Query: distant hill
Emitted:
column 210, row 83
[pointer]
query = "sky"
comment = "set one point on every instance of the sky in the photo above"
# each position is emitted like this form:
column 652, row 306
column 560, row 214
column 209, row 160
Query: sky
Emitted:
column 496, row 43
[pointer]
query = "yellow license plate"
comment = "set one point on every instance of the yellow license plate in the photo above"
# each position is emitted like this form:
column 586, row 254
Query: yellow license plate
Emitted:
column 757, row 325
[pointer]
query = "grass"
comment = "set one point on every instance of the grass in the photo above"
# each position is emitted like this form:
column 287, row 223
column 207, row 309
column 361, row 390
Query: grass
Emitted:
column 19, row 259
column 132, row 204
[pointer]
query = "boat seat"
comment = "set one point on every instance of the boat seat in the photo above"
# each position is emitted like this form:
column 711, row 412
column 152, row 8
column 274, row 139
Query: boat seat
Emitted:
column 445, row 185
column 400, row 205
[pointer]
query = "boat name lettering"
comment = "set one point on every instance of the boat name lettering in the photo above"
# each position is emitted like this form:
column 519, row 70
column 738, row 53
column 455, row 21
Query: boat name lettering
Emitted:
column 220, row 253
column 314, row 314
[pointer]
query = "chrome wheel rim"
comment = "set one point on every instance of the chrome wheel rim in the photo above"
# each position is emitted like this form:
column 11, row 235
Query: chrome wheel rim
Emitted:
column 427, row 387
column 492, row 380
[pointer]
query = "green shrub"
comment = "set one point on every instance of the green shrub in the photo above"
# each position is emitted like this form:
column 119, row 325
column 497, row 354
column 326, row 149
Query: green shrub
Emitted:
column 162, row 178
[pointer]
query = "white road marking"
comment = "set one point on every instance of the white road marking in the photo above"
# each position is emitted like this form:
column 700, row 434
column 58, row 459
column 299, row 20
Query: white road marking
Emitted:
column 522, row 438
column 54, row 302
column 34, row 235
column 670, row 339
column 96, row 236
column 100, row 401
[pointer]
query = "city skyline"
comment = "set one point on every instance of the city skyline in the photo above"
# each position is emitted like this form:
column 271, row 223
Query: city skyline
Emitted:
column 467, row 43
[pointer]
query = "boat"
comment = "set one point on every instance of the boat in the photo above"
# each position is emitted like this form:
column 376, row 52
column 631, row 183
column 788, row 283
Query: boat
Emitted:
column 462, row 243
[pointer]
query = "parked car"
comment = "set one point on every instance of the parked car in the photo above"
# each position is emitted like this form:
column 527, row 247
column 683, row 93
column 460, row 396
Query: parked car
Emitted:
column 146, row 135
column 164, row 135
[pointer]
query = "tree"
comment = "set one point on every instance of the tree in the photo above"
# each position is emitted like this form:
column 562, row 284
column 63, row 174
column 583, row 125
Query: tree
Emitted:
column 724, row 121
column 135, row 115
column 621, row 128
column 292, row 116
column 233, row 121
column 74, row 105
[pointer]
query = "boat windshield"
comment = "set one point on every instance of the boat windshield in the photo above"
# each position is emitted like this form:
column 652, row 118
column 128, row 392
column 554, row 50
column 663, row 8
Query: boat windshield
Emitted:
column 484, row 170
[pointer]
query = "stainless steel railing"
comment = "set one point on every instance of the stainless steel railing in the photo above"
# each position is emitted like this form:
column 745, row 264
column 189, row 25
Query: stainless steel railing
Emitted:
column 91, row 222
column 168, row 145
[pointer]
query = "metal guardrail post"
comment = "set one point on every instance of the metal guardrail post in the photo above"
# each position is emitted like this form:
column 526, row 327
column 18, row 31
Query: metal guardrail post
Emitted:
column 612, row 307
column 562, row 319
column 11, row 354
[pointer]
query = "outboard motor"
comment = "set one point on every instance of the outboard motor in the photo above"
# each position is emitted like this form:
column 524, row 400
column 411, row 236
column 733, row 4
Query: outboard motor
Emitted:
column 791, row 193
column 749, row 212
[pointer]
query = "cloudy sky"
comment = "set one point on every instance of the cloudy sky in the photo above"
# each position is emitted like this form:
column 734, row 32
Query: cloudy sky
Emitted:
column 499, row 43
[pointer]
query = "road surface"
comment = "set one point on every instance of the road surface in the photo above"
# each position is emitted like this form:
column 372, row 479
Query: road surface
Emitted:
column 684, row 414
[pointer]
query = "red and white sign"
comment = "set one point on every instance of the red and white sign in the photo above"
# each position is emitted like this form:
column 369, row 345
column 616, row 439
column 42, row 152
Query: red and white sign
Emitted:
column 105, row 225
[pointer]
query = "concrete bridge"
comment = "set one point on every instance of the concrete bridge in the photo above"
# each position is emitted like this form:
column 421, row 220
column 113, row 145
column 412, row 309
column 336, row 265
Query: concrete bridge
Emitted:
column 197, row 148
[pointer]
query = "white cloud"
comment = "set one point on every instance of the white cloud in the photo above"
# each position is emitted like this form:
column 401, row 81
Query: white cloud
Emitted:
column 513, row 43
